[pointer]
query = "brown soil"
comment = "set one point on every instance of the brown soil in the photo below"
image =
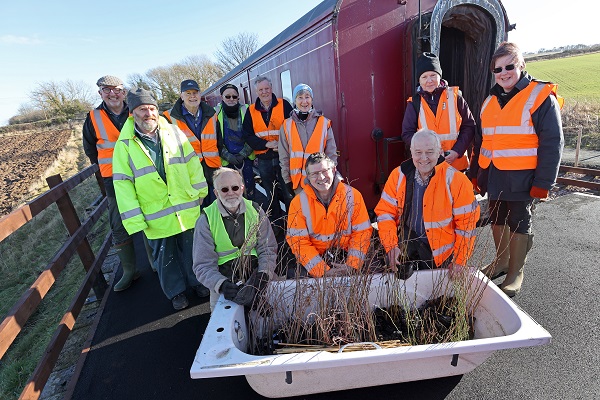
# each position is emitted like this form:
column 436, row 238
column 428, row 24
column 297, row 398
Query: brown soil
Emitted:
column 23, row 160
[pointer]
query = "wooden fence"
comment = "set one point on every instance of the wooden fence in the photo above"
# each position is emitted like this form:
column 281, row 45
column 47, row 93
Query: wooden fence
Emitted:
column 77, row 242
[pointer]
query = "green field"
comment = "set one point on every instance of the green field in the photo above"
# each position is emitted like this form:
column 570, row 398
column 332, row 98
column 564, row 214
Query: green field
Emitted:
column 578, row 77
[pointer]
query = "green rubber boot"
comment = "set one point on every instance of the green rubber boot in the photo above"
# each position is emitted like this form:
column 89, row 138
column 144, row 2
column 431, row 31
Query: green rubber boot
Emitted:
column 520, row 244
column 126, row 254
column 499, row 266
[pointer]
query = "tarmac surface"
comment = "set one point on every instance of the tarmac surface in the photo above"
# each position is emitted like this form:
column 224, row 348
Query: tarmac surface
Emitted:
column 142, row 349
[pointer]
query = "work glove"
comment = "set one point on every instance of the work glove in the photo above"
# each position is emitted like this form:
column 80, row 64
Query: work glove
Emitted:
column 246, row 150
column 405, row 270
column 229, row 290
column 475, row 187
column 238, row 160
column 253, row 287
column 538, row 193
column 290, row 188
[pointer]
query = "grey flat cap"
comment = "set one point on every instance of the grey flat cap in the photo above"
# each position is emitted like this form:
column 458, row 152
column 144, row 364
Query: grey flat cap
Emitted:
column 109, row 80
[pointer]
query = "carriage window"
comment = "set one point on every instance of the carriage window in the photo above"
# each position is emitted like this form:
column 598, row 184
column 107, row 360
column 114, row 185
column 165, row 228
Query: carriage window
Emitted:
column 286, row 85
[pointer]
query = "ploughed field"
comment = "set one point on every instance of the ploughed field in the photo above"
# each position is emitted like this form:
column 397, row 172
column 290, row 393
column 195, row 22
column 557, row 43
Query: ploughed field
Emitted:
column 23, row 160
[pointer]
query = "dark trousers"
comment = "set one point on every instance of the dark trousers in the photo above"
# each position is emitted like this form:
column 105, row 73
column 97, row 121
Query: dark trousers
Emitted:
column 120, row 235
column 516, row 214
column 272, row 182
column 418, row 250
column 247, row 171
column 173, row 261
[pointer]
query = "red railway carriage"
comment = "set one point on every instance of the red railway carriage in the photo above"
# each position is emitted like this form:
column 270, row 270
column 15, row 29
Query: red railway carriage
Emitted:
column 359, row 58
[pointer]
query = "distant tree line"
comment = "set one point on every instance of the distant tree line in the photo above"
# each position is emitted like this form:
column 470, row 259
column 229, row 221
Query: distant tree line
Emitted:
column 562, row 51
column 71, row 100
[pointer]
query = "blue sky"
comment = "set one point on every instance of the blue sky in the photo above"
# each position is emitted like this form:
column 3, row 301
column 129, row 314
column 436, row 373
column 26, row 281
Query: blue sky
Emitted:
column 43, row 41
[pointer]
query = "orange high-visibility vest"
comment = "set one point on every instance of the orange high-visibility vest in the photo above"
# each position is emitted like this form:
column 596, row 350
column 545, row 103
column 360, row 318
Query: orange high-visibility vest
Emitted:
column 445, row 122
column 509, row 137
column 313, row 229
column 188, row 133
column 269, row 133
column 298, row 154
column 208, row 138
column 107, row 134
column 450, row 213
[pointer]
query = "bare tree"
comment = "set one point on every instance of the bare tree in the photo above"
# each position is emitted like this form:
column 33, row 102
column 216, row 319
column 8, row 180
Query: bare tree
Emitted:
column 138, row 80
column 62, row 99
column 236, row 49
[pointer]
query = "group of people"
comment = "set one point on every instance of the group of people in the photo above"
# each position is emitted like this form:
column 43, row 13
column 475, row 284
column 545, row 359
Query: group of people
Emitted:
column 185, row 179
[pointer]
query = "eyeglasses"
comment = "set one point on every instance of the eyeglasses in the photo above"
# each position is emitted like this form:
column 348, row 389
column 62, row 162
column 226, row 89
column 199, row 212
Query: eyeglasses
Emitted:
column 233, row 188
column 230, row 96
column 509, row 67
column 316, row 174
column 107, row 90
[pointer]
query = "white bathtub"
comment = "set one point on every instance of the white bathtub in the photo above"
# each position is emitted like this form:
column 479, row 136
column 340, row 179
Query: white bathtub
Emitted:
column 500, row 324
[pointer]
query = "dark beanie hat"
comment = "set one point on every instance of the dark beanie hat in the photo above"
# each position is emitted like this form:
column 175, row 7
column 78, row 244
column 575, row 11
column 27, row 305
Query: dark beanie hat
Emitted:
column 138, row 96
column 229, row 86
column 428, row 62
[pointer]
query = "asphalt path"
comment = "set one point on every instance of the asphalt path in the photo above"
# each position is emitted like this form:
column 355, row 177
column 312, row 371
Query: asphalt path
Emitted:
column 142, row 349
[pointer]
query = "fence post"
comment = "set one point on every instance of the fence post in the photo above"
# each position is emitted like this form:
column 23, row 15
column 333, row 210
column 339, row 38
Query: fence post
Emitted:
column 579, row 134
column 72, row 223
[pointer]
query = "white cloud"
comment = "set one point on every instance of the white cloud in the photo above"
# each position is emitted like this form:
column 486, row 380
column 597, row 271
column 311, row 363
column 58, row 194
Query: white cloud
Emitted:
column 12, row 39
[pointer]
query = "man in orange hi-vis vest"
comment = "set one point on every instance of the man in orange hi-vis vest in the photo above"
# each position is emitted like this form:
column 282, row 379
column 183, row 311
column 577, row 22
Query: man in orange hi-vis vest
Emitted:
column 516, row 159
column 427, row 214
column 100, row 132
column 442, row 109
column 329, row 230
column 261, row 131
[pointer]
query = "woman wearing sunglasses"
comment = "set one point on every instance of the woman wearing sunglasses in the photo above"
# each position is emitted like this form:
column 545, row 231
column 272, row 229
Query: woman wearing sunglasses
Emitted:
column 518, row 156
column 442, row 109
column 306, row 131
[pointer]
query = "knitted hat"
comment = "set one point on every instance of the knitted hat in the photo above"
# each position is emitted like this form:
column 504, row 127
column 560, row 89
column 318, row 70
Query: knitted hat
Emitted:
column 301, row 87
column 428, row 62
column 228, row 86
column 189, row 84
column 109, row 80
column 139, row 96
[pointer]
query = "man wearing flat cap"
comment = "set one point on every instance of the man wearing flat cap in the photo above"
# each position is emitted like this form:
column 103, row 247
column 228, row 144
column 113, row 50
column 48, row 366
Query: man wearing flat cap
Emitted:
column 226, row 126
column 100, row 132
column 191, row 114
column 160, row 185
column 442, row 109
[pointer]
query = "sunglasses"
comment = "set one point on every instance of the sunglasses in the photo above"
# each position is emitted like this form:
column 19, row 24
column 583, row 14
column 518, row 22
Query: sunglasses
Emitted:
column 231, row 96
column 509, row 67
column 233, row 188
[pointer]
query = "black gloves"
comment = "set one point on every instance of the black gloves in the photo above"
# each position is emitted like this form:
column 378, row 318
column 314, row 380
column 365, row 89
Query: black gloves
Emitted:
column 229, row 289
column 290, row 188
column 238, row 160
column 405, row 270
column 255, row 285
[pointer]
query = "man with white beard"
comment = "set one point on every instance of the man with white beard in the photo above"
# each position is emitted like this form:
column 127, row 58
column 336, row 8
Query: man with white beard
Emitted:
column 159, row 186
column 233, row 243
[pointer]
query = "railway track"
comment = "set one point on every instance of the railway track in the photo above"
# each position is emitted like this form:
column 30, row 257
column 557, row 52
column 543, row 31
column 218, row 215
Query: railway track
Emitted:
column 588, row 178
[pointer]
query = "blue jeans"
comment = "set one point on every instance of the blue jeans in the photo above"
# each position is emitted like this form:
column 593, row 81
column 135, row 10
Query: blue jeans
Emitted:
column 272, row 182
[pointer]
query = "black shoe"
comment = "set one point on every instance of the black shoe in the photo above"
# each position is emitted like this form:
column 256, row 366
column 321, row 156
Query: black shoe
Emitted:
column 201, row 291
column 179, row 302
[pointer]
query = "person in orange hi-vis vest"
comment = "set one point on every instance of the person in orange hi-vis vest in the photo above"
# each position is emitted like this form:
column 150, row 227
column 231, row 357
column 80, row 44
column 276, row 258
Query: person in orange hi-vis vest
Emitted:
column 191, row 115
column 427, row 213
column 442, row 109
column 516, row 159
column 100, row 132
column 306, row 131
column 329, row 230
column 261, row 126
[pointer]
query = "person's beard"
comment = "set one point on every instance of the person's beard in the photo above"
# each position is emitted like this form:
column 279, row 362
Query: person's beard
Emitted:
column 232, row 204
column 148, row 125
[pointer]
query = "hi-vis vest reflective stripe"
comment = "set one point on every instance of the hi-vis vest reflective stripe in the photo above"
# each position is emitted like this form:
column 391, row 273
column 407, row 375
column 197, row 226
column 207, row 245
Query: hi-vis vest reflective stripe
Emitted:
column 223, row 246
column 509, row 137
column 188, row 132
column 107, row 134
column 208, row 139
column 445, row 122
column 450, row 213
column 219, row 114
column 298, row 154
column 270, row 133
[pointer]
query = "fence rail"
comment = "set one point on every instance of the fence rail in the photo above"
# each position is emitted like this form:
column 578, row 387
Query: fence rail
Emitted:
column 77, row 242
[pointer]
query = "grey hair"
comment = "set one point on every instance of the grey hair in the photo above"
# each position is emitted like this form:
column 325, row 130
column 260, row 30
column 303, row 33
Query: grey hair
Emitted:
column 259, row 79
column 427, row 133
column 222, row 171
column 316, row 158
